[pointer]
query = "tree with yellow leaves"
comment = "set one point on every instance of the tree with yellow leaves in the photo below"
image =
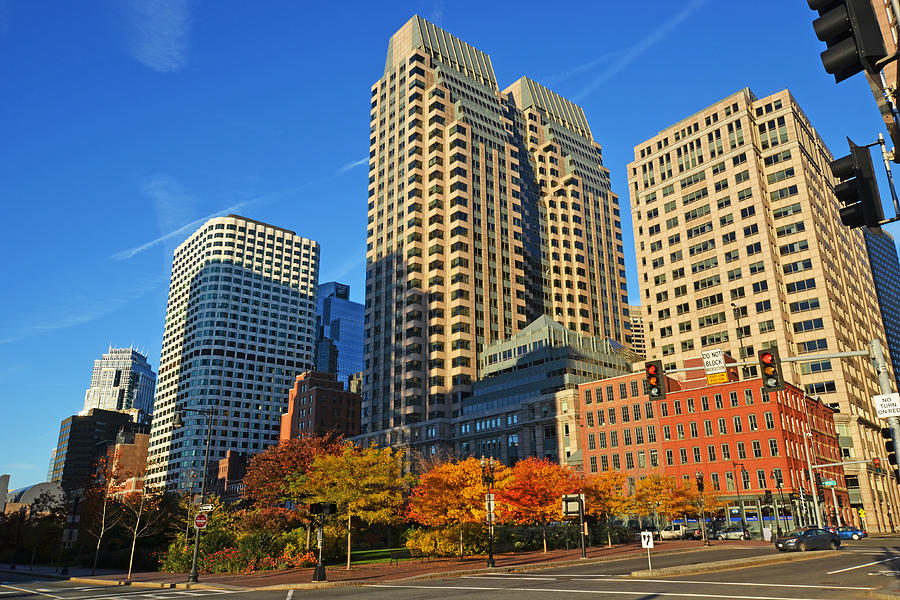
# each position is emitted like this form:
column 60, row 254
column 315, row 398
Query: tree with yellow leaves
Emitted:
column 366, row 484
column 604, row 497
column 452, row 494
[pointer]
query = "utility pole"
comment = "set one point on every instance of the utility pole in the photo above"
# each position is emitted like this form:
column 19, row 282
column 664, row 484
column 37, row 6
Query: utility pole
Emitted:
column 884, row 383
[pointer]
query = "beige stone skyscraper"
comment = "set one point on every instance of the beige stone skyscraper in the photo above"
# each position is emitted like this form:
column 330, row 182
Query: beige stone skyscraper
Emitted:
column 487, row 209
column 240, row 325
column 740, row 247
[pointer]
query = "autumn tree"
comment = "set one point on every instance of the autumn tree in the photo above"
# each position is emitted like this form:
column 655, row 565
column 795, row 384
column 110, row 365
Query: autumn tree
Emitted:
column 366, row 484
column 266, row 482
column 534, row 492
column 452, row 494
column 101, row 504
column 604, row 497
column 143, row 515
column 652, row 495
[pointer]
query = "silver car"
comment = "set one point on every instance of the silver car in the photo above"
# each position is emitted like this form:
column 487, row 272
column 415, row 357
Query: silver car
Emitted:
column 732, row 533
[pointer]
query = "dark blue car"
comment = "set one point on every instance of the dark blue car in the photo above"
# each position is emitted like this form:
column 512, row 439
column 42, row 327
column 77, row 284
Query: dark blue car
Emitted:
column 851, row 533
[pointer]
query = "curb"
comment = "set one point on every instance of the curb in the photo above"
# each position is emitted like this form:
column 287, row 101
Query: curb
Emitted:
column 461, row 573
column 726, row 565
column 154, row 585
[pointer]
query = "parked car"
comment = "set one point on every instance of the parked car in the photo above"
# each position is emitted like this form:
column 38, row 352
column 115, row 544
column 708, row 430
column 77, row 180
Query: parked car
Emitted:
column 674, row 532
column 851, row 533
column 732, row 533
column 810, row 538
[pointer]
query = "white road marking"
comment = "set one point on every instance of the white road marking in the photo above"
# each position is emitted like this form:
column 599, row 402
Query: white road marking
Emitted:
column 570, row 591
column 290, row 594
column 760, row 584
column 861, row 566
column 508, row 576
column 18, row 589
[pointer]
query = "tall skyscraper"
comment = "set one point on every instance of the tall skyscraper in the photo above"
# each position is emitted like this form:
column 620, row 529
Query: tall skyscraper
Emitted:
column 740, row 247
column 638, row 337
column 886, row 273
column 339, row 347
column 240, row 325
column 487, row 209
column 122, row 379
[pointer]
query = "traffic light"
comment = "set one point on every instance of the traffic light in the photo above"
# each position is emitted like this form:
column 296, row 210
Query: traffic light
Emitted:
column 850, row 29
column 767, row 498
column 656, row 383
column 819, row 482
column 876, row 465
column 858, row 190
column 890, row 449
column 840, row 502
column 770, row 367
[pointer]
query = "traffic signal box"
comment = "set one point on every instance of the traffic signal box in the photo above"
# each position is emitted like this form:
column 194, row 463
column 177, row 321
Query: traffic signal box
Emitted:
column 770, row 367
column 858, row 190
column 850, row 30
column 891, row 452
column 656, row 383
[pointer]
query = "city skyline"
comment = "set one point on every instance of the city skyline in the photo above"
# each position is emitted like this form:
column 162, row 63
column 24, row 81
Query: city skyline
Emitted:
column 169, row 193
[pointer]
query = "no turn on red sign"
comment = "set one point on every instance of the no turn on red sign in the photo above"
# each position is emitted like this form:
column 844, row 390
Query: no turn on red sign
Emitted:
column 200, row 521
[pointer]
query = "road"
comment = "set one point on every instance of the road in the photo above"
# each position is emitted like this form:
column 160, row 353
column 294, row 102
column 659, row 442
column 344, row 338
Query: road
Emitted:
column 861, row 566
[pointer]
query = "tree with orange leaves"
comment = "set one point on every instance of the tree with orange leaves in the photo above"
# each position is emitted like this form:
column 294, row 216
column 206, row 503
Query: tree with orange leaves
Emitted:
column 534, row 492
column 604, row 497
column 452, row 494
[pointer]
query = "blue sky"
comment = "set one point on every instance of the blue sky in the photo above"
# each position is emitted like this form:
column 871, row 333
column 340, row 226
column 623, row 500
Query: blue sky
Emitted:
column 126, row 123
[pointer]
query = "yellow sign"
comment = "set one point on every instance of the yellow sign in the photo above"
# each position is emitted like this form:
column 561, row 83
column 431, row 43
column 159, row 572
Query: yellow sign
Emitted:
column 862, row 513
column 715, row 378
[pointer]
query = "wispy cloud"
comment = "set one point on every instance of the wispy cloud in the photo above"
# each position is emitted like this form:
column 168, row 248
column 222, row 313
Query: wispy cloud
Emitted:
column 78, row 309
column 354, row 164
column 579, row 69
column 168, row 193
column 639, row 48
column 437, row 12
column 157, row 32
column 131, row 252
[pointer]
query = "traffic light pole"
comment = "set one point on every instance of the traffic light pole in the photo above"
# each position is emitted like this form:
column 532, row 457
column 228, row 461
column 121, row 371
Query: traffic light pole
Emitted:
column 884, row 383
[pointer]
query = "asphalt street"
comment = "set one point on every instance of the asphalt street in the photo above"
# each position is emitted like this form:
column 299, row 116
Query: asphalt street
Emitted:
column 861, row 566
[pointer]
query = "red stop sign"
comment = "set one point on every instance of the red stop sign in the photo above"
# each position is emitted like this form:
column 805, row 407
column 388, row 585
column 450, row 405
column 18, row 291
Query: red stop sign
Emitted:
column 200, row 521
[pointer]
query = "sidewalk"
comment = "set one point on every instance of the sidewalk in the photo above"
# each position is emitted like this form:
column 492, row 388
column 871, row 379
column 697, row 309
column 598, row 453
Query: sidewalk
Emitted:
column 407, row 569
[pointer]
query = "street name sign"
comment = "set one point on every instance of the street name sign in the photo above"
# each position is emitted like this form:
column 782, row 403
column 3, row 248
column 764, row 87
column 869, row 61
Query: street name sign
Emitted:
column 887, row 405
column 829, row 483
column 206, row 507
column 200, row 521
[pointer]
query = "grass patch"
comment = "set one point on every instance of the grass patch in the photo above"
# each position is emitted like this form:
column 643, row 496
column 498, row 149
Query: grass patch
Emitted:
column 382, row 555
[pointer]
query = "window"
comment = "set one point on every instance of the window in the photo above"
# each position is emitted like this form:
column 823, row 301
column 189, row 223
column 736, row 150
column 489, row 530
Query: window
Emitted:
column 757, row 449
column 770, row 421
column 738, row 426
column 693, row 427
column 761, row 478
column 723, row 428
column 697, row 454
column 682, row 454
column 726, row 452
column 711, row 451
column 707, row 427
column 741, row 450
column 751, row 423
column 679, row 430
column 773, row 447
column 590, row 419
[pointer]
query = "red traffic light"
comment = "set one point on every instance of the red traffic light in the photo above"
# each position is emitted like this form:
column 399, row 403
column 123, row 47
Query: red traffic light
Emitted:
column 767, row 358
column 652, row 369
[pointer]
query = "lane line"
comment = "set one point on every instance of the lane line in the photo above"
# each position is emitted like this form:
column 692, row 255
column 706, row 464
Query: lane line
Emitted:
column 508, row 576
column 570, row 591
column 861, row 566
column 18, row 589
column 290, row 594
column 737, row 583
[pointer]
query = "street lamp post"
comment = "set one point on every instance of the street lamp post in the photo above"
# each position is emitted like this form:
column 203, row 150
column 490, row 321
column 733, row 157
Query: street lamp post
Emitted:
column 179, row 422
column 699, row 476
column 734, row 466
column 780, row 485
column 487, row 478
column 738, row 312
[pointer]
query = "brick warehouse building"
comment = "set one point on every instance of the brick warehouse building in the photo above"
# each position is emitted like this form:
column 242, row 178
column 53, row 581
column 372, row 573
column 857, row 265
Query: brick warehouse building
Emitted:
column 732, row 433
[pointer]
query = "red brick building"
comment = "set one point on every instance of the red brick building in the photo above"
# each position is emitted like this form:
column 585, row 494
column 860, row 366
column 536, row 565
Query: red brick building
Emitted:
column 740, row 439
column 319, row 404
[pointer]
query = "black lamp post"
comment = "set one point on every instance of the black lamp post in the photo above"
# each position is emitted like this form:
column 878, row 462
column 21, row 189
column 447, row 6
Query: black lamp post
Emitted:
column 177, row 423
column 738, row 483
column 487, row 478
column 780, row 485
column 699, row 477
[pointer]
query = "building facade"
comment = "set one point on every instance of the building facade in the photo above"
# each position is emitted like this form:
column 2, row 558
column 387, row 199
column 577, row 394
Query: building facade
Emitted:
column 740, row 247
column 318, row 404
column 638, row 338
column 240, row 324
column 526, row 402
column 882, row 253
column 339, row 347
column 84, row 438
column 487, row 209
column 742, row 440
column 122, row 379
